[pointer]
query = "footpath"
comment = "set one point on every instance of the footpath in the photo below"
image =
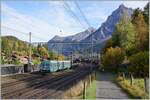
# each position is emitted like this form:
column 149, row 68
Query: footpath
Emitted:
column 107, row 89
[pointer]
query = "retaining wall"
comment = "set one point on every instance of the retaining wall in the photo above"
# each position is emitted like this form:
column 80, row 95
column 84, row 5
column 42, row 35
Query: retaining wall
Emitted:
column 14, row 69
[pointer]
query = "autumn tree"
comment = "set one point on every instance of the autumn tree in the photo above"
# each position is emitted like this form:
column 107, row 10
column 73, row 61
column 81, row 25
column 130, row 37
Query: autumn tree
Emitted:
column 43, row 52
column 113, row 58
column 146, row 13
column 140, row 63
column 52, row 55
column 142, row 34
column 116, row 39
column 107, row 45
column 60, row 57
column 124, row 35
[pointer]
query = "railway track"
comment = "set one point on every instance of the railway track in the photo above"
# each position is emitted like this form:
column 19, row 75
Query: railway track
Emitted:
column 55, row 94
column 19, row 92
column 25, row 77
column 20, row 77
column 33, row 83
column 29, row 78
column 46, row 87
column 52, row 89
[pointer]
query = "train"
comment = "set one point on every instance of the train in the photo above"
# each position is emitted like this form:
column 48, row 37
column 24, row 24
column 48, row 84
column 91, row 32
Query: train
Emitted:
column 54, row 65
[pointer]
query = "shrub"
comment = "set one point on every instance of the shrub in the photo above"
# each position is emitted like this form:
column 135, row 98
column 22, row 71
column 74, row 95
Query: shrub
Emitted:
column 36, row 61
column 113, row 58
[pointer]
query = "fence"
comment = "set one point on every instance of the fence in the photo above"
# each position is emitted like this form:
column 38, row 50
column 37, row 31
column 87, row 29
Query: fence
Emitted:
column 131, row 78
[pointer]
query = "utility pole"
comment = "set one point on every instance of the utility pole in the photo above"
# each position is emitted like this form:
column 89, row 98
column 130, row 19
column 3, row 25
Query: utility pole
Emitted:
column 92, row 52
column 29, row 49
column 61, row 44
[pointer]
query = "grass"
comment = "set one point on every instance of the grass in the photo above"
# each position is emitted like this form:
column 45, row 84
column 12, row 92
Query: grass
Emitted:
column 139, row 82
column 91, row 91
column 135, row 90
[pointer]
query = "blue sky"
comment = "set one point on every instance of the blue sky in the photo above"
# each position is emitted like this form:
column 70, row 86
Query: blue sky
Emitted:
column 46, row 18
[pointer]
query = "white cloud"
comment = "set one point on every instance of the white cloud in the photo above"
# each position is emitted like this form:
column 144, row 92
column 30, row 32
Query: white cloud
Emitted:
column 38, row 26
column 135, row 4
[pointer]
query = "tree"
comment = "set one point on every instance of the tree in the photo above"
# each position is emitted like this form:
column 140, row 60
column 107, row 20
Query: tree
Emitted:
column 43, row 52
column 142, row 34
column 3, row 45
column 45, row 46
column 116, row 39
column 146, row 13
column 107, row 45
column 124, row 35
column 52, row 55
column 140, row 63
column 60, row 57
column 113, row 58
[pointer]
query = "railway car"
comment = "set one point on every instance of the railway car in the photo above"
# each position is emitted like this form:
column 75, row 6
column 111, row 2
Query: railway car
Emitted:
column 54, row 65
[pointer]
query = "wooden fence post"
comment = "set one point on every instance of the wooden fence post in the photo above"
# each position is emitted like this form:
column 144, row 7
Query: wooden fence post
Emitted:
column 131, row 77
column 146, row 83
column 95, row 75
column 84, row 90
column 123, row 76
column 90, row 78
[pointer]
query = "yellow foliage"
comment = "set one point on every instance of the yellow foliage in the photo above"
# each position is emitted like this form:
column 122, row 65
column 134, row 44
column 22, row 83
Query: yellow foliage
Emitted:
column 113, row 57
column 133, row 90
column 60, row 57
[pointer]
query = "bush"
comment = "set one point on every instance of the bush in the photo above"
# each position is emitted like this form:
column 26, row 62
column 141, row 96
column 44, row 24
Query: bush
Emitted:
column 36, row 61
column 140, row 63
column 16, row 62
column 113, row 58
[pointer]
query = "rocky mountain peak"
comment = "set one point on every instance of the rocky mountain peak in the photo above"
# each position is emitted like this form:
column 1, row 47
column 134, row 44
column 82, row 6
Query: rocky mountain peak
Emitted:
column 122, row 6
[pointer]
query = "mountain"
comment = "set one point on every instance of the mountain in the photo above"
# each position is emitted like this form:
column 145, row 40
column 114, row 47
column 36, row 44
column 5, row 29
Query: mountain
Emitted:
column 73, row 38
column 108, row 27
column 62, row 44
column 98, row 36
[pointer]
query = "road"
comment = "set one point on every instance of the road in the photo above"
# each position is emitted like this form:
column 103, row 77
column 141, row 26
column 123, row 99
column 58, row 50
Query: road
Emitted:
column 107, row 89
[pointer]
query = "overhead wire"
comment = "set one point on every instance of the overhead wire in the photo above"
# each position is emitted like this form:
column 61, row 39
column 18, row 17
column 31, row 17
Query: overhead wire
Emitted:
column 25, row 33
column 20, row 19
column 83, row 15
column 87, row 22
column 67, row 7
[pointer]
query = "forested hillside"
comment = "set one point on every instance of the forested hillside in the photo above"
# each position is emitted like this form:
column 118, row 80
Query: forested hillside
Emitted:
column 10, row 44
column 15, row 51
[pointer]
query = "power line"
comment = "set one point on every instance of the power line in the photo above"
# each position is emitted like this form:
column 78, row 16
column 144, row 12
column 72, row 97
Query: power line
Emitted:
column 83, row 15
column 14, row 30
column 17, row 17
column 21, row 32
column 67, row 7
column 76, row 3
column 21, row 19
